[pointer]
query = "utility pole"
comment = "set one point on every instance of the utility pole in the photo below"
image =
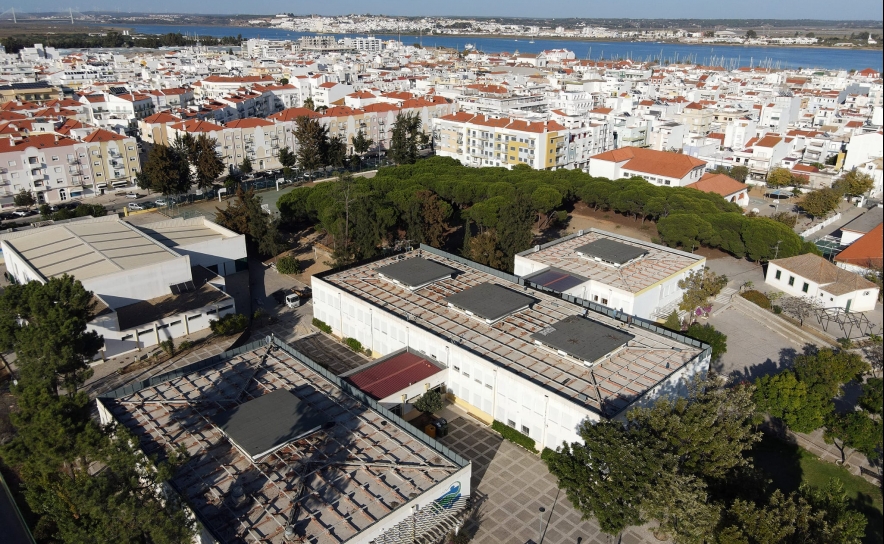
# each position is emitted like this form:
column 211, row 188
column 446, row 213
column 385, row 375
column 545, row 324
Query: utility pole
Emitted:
column 777, row 249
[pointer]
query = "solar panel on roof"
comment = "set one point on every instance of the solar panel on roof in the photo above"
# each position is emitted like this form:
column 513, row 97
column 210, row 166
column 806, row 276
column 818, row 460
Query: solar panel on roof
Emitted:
column 179, row 288
column 555, row 279
column 611, row 251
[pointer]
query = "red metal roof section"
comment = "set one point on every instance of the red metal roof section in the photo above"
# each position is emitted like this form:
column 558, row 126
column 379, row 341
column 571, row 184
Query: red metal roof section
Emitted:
column 394, row 374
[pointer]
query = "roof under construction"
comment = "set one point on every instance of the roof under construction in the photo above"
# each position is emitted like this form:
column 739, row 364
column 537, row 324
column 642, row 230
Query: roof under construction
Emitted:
column 334, row 466
column 264, row 424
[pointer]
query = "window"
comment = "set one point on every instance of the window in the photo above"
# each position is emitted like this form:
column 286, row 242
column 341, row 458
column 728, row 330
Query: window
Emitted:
column 605, row 301
column 791, row 280
column 778, row 274
column 456, row 368
column 805, row 287
column 54, row 158
column 525, row 430
column 511, row 423
column 192, row 317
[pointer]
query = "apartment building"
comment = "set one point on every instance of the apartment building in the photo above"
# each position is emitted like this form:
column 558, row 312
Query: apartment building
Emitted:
column 57, row 168
column 480, row 140
column 213, row 87
column 761, row 155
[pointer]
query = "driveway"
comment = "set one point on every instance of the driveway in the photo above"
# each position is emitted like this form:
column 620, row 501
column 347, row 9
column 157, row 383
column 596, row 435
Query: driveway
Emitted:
column 510, row 485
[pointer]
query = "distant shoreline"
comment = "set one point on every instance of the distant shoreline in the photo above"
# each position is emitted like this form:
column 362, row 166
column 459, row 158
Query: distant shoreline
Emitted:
column 521, row 38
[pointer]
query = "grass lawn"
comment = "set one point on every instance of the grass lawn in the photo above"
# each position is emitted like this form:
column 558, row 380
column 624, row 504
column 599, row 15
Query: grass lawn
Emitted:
column 789, row 466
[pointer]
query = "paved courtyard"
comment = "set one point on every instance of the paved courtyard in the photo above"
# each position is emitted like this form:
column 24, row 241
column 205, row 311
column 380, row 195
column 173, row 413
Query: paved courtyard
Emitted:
column 510, row 486
column 330, row 353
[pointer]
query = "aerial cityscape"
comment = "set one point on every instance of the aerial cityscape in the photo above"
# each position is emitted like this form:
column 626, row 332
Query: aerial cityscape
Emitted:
column 406, row 276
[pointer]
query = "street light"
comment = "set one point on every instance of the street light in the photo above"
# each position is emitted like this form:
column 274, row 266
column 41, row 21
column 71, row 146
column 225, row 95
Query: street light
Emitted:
column 540, row 526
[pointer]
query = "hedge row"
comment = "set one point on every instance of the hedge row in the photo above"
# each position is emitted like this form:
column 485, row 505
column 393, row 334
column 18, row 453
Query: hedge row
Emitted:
column 514, row 436
column 758, row 298
column 320, row 324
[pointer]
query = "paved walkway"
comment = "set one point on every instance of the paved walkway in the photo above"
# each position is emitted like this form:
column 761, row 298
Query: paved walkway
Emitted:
column 510, row 486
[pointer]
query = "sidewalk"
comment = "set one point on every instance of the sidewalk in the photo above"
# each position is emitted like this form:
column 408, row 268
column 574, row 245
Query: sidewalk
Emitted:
column 813, row 442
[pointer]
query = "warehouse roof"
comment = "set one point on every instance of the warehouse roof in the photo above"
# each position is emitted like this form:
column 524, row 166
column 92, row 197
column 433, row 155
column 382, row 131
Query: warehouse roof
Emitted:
column 607, row 387
column 415, row 273
column 87, row 249
column 659, row 263
column 330, row 486
column 184, row 232
column 489, row 301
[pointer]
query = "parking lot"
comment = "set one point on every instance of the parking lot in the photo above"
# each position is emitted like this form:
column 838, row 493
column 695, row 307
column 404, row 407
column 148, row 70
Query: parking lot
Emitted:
column 510, row 485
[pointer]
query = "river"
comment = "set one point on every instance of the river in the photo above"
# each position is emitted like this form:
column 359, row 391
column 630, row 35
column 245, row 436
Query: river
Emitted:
column 723, row 55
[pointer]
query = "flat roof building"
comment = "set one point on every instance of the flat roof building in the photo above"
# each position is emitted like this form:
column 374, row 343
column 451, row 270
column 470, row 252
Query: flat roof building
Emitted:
column 540, row 362
column 634, row 276
column 281, row 450
column 143, row 277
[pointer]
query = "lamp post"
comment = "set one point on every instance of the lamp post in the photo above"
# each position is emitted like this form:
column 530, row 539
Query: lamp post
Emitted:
column 540, row 525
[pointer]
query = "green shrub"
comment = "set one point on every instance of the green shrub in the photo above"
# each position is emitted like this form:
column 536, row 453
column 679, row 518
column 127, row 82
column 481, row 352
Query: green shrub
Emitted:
column 514, row 436
column 777, row 309
column 229, row 324
column 168, row 346
column 187, row 344
column 431, row 401
column 547, row 454
column 288, row 265
column 320, row 324
column 353, row 344
column 757, row 297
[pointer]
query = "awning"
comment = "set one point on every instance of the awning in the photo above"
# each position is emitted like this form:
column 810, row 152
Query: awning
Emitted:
column 120, row 183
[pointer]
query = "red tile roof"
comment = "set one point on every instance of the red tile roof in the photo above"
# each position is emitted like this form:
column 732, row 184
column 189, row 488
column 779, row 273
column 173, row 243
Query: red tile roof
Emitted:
column 394, row 374
column 102, row 135
column 291, row 114
column 161, row 117
column 250, row 122
column 650, row 161
column 867, row 251
column 718, row 184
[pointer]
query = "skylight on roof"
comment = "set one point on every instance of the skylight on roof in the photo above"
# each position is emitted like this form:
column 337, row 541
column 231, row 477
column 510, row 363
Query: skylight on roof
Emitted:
column 582, row 338
column 415, row 272
column 610, row 251
column 265, row 424
column 489, row 301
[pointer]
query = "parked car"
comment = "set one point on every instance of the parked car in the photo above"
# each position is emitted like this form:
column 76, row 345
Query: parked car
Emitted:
column 131, row 195
column 134, row 206
column 160, row 202
column 21, row 213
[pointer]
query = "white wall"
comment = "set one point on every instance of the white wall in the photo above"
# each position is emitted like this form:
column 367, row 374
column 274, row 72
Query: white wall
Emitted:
column 860, row 301
column 129, row 286
column 603, row 169
column 491, row 391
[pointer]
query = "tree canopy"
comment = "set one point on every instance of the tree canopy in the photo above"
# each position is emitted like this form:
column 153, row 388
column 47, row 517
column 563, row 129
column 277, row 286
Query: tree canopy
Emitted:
column 166, row 170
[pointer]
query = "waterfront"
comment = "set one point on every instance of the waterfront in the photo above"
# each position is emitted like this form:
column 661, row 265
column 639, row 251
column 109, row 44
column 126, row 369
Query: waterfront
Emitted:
column 725, row 55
